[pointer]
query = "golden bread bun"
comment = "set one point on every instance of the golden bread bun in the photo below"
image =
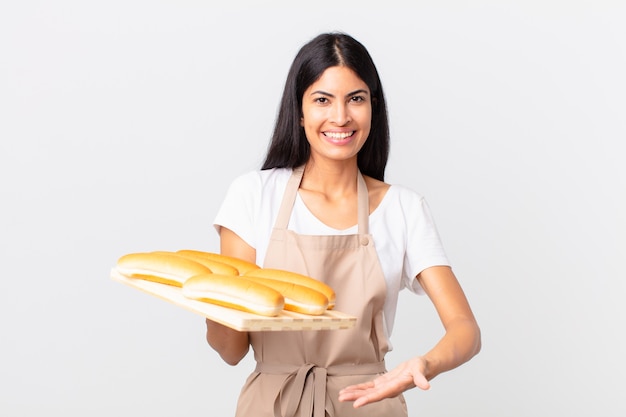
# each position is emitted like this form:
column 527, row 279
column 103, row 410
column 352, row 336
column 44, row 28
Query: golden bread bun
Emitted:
column 163, row 267
column 241, row 265
column 234, row 292
column 298, row 298
column 295, row 278
column 215, row 266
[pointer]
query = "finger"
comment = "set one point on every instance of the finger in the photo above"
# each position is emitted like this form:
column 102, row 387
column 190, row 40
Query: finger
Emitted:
column 359, row 397
column 353, row 393
column 370, row 398
column 361, row 386
column 420, row 381
column 377, row 393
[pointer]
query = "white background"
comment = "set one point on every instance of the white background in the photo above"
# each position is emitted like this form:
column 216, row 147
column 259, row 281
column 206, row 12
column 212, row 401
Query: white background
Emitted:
column 123, row 122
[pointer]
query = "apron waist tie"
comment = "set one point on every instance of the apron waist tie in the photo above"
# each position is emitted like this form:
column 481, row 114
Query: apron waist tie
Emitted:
column 310, row 381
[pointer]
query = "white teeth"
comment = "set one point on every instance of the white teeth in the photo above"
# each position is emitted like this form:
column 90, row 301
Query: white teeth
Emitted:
column 337, row 135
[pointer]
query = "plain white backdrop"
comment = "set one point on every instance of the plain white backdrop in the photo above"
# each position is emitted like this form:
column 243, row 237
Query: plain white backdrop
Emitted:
column 123, row 122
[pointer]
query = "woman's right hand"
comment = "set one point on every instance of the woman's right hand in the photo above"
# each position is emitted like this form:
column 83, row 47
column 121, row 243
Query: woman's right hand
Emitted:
column 232, row 345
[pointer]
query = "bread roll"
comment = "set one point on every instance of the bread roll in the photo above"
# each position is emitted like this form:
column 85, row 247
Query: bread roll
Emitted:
column 298, row 298
column 215, row 266
column 295, row 278
column 163, row 267
column 241, row 265
column 234, row 292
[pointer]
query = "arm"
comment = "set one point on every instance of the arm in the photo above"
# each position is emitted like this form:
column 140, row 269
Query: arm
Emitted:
column 232, row 345
column 459, row 344
column 462, row 338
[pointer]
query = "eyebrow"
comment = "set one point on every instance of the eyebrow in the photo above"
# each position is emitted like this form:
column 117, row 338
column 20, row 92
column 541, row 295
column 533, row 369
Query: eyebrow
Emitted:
column 353, row 93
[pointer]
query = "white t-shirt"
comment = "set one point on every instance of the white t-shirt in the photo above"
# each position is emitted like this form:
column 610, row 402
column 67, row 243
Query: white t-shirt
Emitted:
column 404, row 233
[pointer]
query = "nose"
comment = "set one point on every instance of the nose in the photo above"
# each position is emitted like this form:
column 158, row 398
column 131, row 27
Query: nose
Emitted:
column 340, row 115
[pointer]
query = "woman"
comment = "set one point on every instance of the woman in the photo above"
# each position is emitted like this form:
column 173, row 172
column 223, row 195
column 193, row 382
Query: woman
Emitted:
column 320, row 206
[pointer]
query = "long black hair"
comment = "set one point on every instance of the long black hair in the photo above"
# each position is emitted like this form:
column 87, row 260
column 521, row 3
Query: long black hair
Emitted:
column 289, row 147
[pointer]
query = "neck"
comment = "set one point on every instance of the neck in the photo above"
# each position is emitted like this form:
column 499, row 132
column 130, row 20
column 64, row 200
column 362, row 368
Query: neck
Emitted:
column 330, row 179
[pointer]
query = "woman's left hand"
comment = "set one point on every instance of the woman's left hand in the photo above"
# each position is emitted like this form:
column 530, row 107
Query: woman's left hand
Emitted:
column 407, row 375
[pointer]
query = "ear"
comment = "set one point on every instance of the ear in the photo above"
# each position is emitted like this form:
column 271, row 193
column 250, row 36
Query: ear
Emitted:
column 301, row 121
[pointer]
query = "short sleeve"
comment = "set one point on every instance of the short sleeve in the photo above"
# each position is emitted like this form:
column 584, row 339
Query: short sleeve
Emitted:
column 239, row 208
column 423, row 247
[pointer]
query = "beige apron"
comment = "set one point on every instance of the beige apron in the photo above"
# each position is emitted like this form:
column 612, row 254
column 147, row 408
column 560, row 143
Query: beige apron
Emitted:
column 300, row 373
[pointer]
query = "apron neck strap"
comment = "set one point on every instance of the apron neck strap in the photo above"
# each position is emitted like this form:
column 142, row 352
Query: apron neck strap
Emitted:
column 291, row 192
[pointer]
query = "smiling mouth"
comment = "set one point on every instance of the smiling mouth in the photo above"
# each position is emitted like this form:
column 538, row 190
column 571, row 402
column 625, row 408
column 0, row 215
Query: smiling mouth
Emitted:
column 338, row 135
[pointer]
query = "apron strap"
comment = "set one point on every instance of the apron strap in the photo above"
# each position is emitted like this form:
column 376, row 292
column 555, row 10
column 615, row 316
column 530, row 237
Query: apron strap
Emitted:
column 363, row 205
column 289, row 198
column 309, row 380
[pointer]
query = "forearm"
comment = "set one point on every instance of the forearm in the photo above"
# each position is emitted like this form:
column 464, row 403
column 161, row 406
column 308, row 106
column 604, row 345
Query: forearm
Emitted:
column 232, row 345
column 461, row 342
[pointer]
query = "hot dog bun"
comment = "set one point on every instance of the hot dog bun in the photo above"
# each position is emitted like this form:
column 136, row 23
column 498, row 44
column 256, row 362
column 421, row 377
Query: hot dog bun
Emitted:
column 298, row 298
column 234, row 292
column 163, row 267
column 241, row 265
column 215, row 267
column 295, row 278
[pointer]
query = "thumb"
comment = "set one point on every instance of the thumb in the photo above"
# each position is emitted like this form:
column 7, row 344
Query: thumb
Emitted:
column 421, row 382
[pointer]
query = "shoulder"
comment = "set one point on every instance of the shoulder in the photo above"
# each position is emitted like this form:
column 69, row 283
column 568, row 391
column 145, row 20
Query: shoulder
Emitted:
column 261, row 180
column 250, row 202
column 398, row 195
column 406, row 195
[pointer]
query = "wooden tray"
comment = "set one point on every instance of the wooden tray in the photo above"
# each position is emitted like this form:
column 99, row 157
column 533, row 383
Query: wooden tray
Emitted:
column 241, row 320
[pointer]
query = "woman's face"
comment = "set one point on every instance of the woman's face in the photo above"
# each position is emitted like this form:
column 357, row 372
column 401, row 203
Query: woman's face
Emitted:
column 336, row 114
